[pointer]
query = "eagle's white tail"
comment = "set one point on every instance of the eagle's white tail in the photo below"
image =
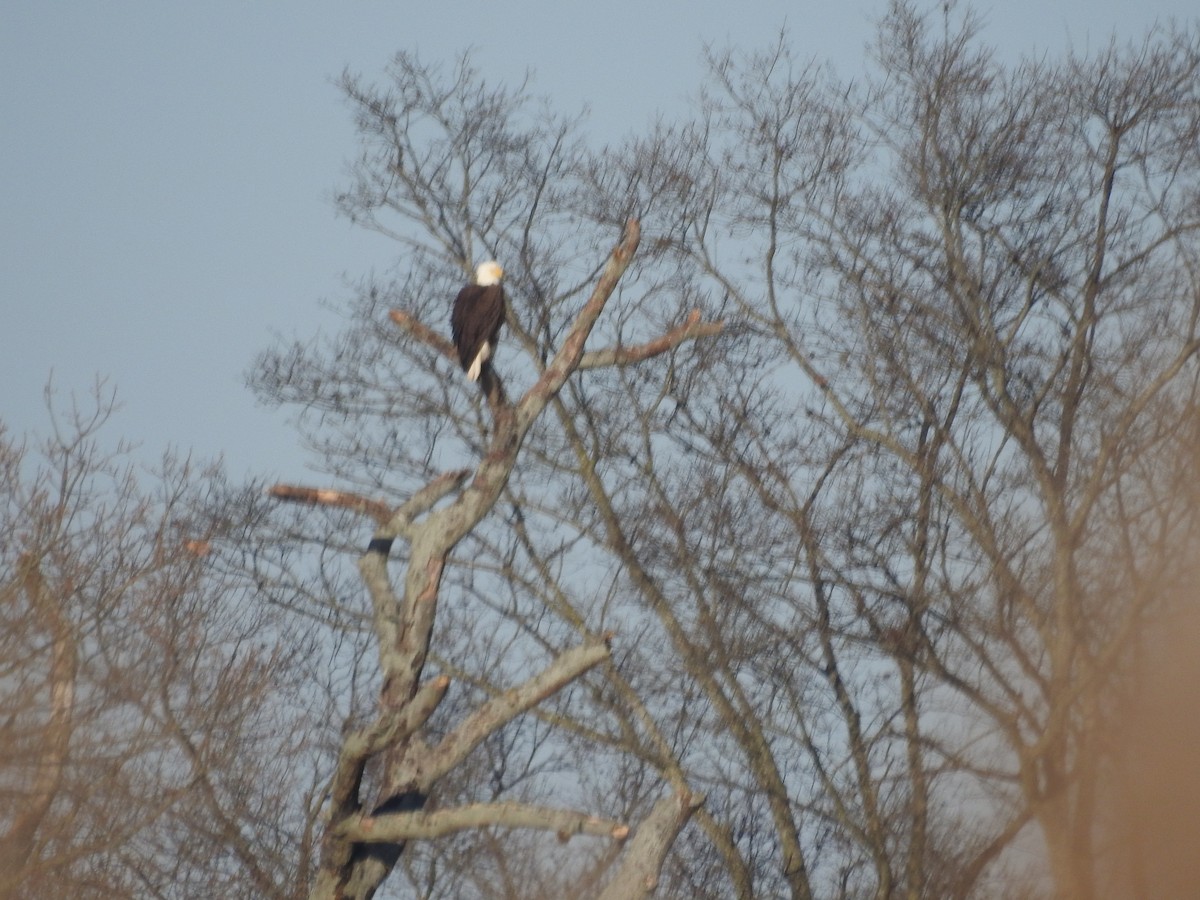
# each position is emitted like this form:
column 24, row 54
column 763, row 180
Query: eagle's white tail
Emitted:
column 480, row 358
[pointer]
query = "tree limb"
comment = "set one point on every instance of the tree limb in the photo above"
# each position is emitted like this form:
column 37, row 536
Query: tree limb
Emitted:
column 642, row 860
column 387, row 730
column 422, row 501
column 398, row 827
column 293, row 493
column 692, row 329
column 500, row 710
column 392, row 523
column 424, row 334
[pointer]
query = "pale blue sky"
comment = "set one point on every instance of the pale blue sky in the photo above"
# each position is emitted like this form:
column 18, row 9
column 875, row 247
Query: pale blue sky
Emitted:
column 167, row 168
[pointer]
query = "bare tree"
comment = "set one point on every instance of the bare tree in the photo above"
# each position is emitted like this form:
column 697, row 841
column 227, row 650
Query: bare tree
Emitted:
column 975, row 290
column 359, row 851
column 875, row 558
column 453, row 171
column 148, row 718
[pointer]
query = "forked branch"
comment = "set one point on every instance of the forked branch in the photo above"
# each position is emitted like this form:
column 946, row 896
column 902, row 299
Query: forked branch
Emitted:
column 641, row 863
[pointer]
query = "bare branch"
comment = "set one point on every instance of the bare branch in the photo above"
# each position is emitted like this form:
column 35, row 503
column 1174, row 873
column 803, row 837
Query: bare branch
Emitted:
column 290, row 493
column 398, row 827
column 642, row 860
column 424, row 334
column 692, row 329
column 393, row 523
column 567, row 359
column 498, row 711
column 421, row 502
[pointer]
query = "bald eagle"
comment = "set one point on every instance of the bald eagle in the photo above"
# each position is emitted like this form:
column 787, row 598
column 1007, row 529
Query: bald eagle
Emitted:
column 476, row 319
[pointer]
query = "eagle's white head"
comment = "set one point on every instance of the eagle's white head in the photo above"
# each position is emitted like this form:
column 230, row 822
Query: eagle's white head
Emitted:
column 488, row 273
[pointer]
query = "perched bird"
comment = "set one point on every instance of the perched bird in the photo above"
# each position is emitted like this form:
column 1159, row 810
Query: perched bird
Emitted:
column 476, row 319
